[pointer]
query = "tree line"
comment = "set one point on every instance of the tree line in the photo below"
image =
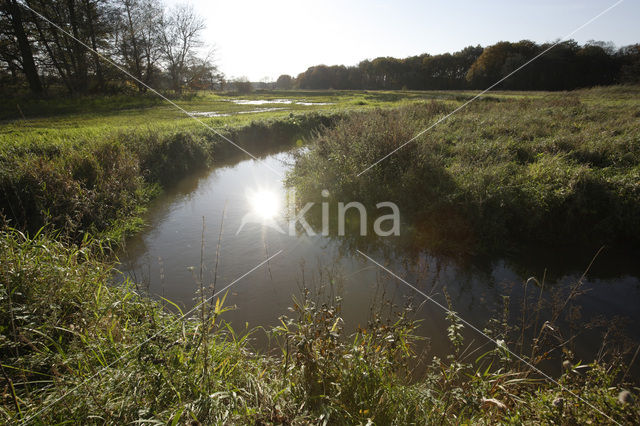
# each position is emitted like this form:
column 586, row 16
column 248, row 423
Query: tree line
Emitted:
column 566, row 66
column 161, row 47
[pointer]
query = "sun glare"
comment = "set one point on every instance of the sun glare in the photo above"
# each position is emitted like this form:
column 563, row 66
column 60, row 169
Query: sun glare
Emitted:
column 264, row 203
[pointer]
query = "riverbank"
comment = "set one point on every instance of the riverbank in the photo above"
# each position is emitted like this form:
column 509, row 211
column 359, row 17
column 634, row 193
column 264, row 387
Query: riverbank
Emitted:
column 75, row 348
column 91, row 164
column 558, row 169
column 102, row 186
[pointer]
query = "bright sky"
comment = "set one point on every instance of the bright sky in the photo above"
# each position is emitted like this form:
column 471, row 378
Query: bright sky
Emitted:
column 259, row 39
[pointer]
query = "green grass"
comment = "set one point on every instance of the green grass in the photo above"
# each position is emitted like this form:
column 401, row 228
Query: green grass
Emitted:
column 550, row 168
column 89, row 166
column 76, row 349
column 53, row 161
column 78, row 119
column 120, row 112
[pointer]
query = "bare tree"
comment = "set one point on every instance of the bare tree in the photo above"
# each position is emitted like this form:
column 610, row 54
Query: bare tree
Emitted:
column 202, row 73
column 180, row 38
column 137, row 38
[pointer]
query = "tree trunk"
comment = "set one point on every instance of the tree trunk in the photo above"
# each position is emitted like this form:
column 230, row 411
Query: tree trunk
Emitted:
column 61, row 72
column 78, row 50
column 134, row 44
column 94, row 45
column 28, row 64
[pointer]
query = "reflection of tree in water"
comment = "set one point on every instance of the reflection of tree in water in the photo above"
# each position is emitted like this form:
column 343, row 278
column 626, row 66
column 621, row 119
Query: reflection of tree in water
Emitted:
column 406, row 254
column 445, row 237
column 480, row 284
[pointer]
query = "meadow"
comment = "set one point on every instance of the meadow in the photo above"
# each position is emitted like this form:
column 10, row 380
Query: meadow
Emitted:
column 513, row 167
column 557, row 169
column 92, row 164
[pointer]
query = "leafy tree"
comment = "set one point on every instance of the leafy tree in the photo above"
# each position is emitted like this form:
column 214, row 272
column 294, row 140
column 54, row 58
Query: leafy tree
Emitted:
column 179, row 39
column 66, row 55
column 24, row 60
column 284, row 82
column 629, row 60
column 488, row 68
column 137, row 38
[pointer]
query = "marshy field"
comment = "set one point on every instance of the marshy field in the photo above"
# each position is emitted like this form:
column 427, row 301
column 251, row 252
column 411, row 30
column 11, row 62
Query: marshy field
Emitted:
column 129, row 227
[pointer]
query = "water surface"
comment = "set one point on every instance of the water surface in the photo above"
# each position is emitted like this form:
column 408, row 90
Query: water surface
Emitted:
column 167, row 257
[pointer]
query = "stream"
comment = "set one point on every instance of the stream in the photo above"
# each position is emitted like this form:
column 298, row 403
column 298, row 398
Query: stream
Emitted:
column 166, row 258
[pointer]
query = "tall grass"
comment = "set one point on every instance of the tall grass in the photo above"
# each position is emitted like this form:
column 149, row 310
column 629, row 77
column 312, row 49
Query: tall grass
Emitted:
column 557, row 169
column 76, row 349
column 64, row 331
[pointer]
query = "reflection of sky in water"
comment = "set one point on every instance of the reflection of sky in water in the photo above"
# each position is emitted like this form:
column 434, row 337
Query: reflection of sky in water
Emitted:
column 254, row 102
column 249, row 190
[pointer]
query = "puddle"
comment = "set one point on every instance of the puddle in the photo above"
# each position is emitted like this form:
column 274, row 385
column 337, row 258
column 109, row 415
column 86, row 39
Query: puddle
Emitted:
column 262, row 110
column 314, row 103
column 261, row 101
column 220, row 114
column 276, row 101
column 257, row 110
column 208, row 114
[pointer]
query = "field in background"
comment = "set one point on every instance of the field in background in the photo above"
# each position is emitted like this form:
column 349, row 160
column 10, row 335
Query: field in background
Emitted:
column 81, row 143
column 56, row 120
column 24, row 122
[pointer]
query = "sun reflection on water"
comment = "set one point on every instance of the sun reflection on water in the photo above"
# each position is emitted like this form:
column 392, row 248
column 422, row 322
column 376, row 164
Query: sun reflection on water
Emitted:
column 264, row 203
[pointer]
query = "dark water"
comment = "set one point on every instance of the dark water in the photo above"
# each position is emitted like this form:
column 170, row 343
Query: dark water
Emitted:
column 167, row 257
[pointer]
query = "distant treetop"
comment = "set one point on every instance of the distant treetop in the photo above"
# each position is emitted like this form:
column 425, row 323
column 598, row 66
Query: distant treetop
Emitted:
column 566, row 66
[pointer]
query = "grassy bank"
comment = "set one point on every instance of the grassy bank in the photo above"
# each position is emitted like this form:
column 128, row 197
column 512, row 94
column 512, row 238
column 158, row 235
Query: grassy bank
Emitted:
column 114, row 357
column 91, row 164
column 75, row 348
column 102, row 184
column 555, row 168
